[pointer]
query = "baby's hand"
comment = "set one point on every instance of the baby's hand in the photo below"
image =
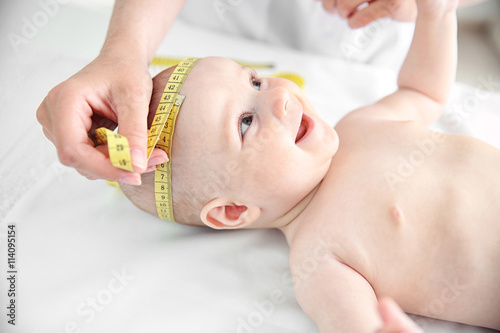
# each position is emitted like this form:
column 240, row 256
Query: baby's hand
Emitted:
column 394, row 319
column 399, row 10
column 436, row 8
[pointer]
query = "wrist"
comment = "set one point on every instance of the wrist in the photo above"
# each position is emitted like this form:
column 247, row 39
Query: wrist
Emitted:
column 126, row 50
column 435, row 10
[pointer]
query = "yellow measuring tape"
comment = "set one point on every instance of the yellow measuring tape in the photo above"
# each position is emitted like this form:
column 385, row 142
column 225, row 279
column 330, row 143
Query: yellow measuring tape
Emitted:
column 119, row 152
column 170, row 61
column 162, row 132
column 160, row 135
column 294, row 77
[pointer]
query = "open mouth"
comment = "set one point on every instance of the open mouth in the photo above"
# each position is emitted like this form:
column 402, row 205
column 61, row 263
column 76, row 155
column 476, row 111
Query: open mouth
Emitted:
column 303, row 129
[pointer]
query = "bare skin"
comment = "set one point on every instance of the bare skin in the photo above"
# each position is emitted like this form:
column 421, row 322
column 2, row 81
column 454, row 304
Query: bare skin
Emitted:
column 100, row 94
column 403, row 211
column 429, row 240
column 379, row 206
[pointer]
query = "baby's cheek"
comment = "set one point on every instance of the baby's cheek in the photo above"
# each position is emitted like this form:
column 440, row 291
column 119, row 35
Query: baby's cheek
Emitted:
column 265, row 181
column 284, row 181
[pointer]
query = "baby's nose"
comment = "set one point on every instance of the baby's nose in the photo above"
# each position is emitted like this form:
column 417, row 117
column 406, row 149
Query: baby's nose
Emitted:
column 279, row 102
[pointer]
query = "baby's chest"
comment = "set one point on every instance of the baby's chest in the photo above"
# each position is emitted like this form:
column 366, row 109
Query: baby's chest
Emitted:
column 401, row 236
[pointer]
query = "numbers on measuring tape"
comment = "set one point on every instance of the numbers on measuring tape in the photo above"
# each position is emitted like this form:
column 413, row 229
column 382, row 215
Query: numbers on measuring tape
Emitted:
column 118, row 148
column 169, row 97
column 161, row 134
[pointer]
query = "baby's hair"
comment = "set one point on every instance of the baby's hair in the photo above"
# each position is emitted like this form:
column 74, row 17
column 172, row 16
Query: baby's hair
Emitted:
column 189, row 171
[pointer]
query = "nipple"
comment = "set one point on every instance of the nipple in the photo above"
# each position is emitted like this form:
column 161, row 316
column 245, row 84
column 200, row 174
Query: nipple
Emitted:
column 397, row 215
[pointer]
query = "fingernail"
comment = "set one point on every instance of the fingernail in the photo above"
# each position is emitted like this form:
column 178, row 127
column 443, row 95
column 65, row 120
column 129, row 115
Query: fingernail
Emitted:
column 150, row 168
column 131, row 179
column 157, row 160
column 138, row 159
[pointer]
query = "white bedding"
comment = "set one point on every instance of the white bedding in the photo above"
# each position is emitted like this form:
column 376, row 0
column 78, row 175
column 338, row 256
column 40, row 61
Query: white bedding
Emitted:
column 89, row 261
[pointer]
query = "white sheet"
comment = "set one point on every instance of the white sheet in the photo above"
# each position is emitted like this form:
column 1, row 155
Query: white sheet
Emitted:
column 89, row 261
column 304, row 25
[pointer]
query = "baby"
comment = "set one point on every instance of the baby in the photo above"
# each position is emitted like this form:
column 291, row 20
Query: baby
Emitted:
column 361, row 222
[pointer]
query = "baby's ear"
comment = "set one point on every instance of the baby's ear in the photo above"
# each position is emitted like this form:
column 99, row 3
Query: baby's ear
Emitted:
column 224, row 214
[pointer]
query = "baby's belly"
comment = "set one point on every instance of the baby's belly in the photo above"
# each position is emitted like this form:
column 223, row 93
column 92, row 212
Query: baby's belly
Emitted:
column 442, row 235
column 431, row 240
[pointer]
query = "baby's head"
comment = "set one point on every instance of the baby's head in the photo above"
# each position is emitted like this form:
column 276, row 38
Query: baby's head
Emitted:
column 245, row 150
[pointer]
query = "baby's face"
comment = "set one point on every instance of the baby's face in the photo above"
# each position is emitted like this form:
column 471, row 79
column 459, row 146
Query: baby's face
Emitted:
column 269, row 146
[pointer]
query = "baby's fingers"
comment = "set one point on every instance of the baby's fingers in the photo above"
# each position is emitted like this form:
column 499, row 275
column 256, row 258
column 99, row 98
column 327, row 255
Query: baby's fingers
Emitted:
column 346, row 8
column 364, row 16
column 394, row 319
column 330, row 6
column 399, row 10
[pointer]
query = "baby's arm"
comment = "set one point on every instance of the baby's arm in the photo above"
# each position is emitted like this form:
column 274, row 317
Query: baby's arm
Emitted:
column 429, row 70
column 339, row 299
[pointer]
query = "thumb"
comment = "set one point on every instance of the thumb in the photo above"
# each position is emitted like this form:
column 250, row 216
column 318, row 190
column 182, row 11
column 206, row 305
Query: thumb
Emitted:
column 132, row 123
column 394, row 318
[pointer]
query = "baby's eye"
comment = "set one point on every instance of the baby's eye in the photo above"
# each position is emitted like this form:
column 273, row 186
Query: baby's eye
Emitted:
column 256, row 84
column 245, row 122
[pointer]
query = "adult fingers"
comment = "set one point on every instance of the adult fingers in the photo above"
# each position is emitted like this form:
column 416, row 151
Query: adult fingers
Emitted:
column 94, row 163
column 132, row 115
column 158, row 156
column 75, row 148
column 43, row 117
column 47, row 135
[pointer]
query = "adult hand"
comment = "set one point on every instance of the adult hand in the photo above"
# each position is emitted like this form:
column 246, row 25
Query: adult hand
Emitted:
column 114, row 88
column 394, row 319
column 362, row 12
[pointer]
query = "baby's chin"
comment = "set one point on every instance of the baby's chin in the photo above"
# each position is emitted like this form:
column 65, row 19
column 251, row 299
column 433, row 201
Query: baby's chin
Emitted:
column 333, row 137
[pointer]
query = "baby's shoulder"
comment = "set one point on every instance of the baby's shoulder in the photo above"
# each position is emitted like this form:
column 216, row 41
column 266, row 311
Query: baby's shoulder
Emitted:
column 366, row 122
column 312, row 243
column 360, row 119
column 366, row 116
